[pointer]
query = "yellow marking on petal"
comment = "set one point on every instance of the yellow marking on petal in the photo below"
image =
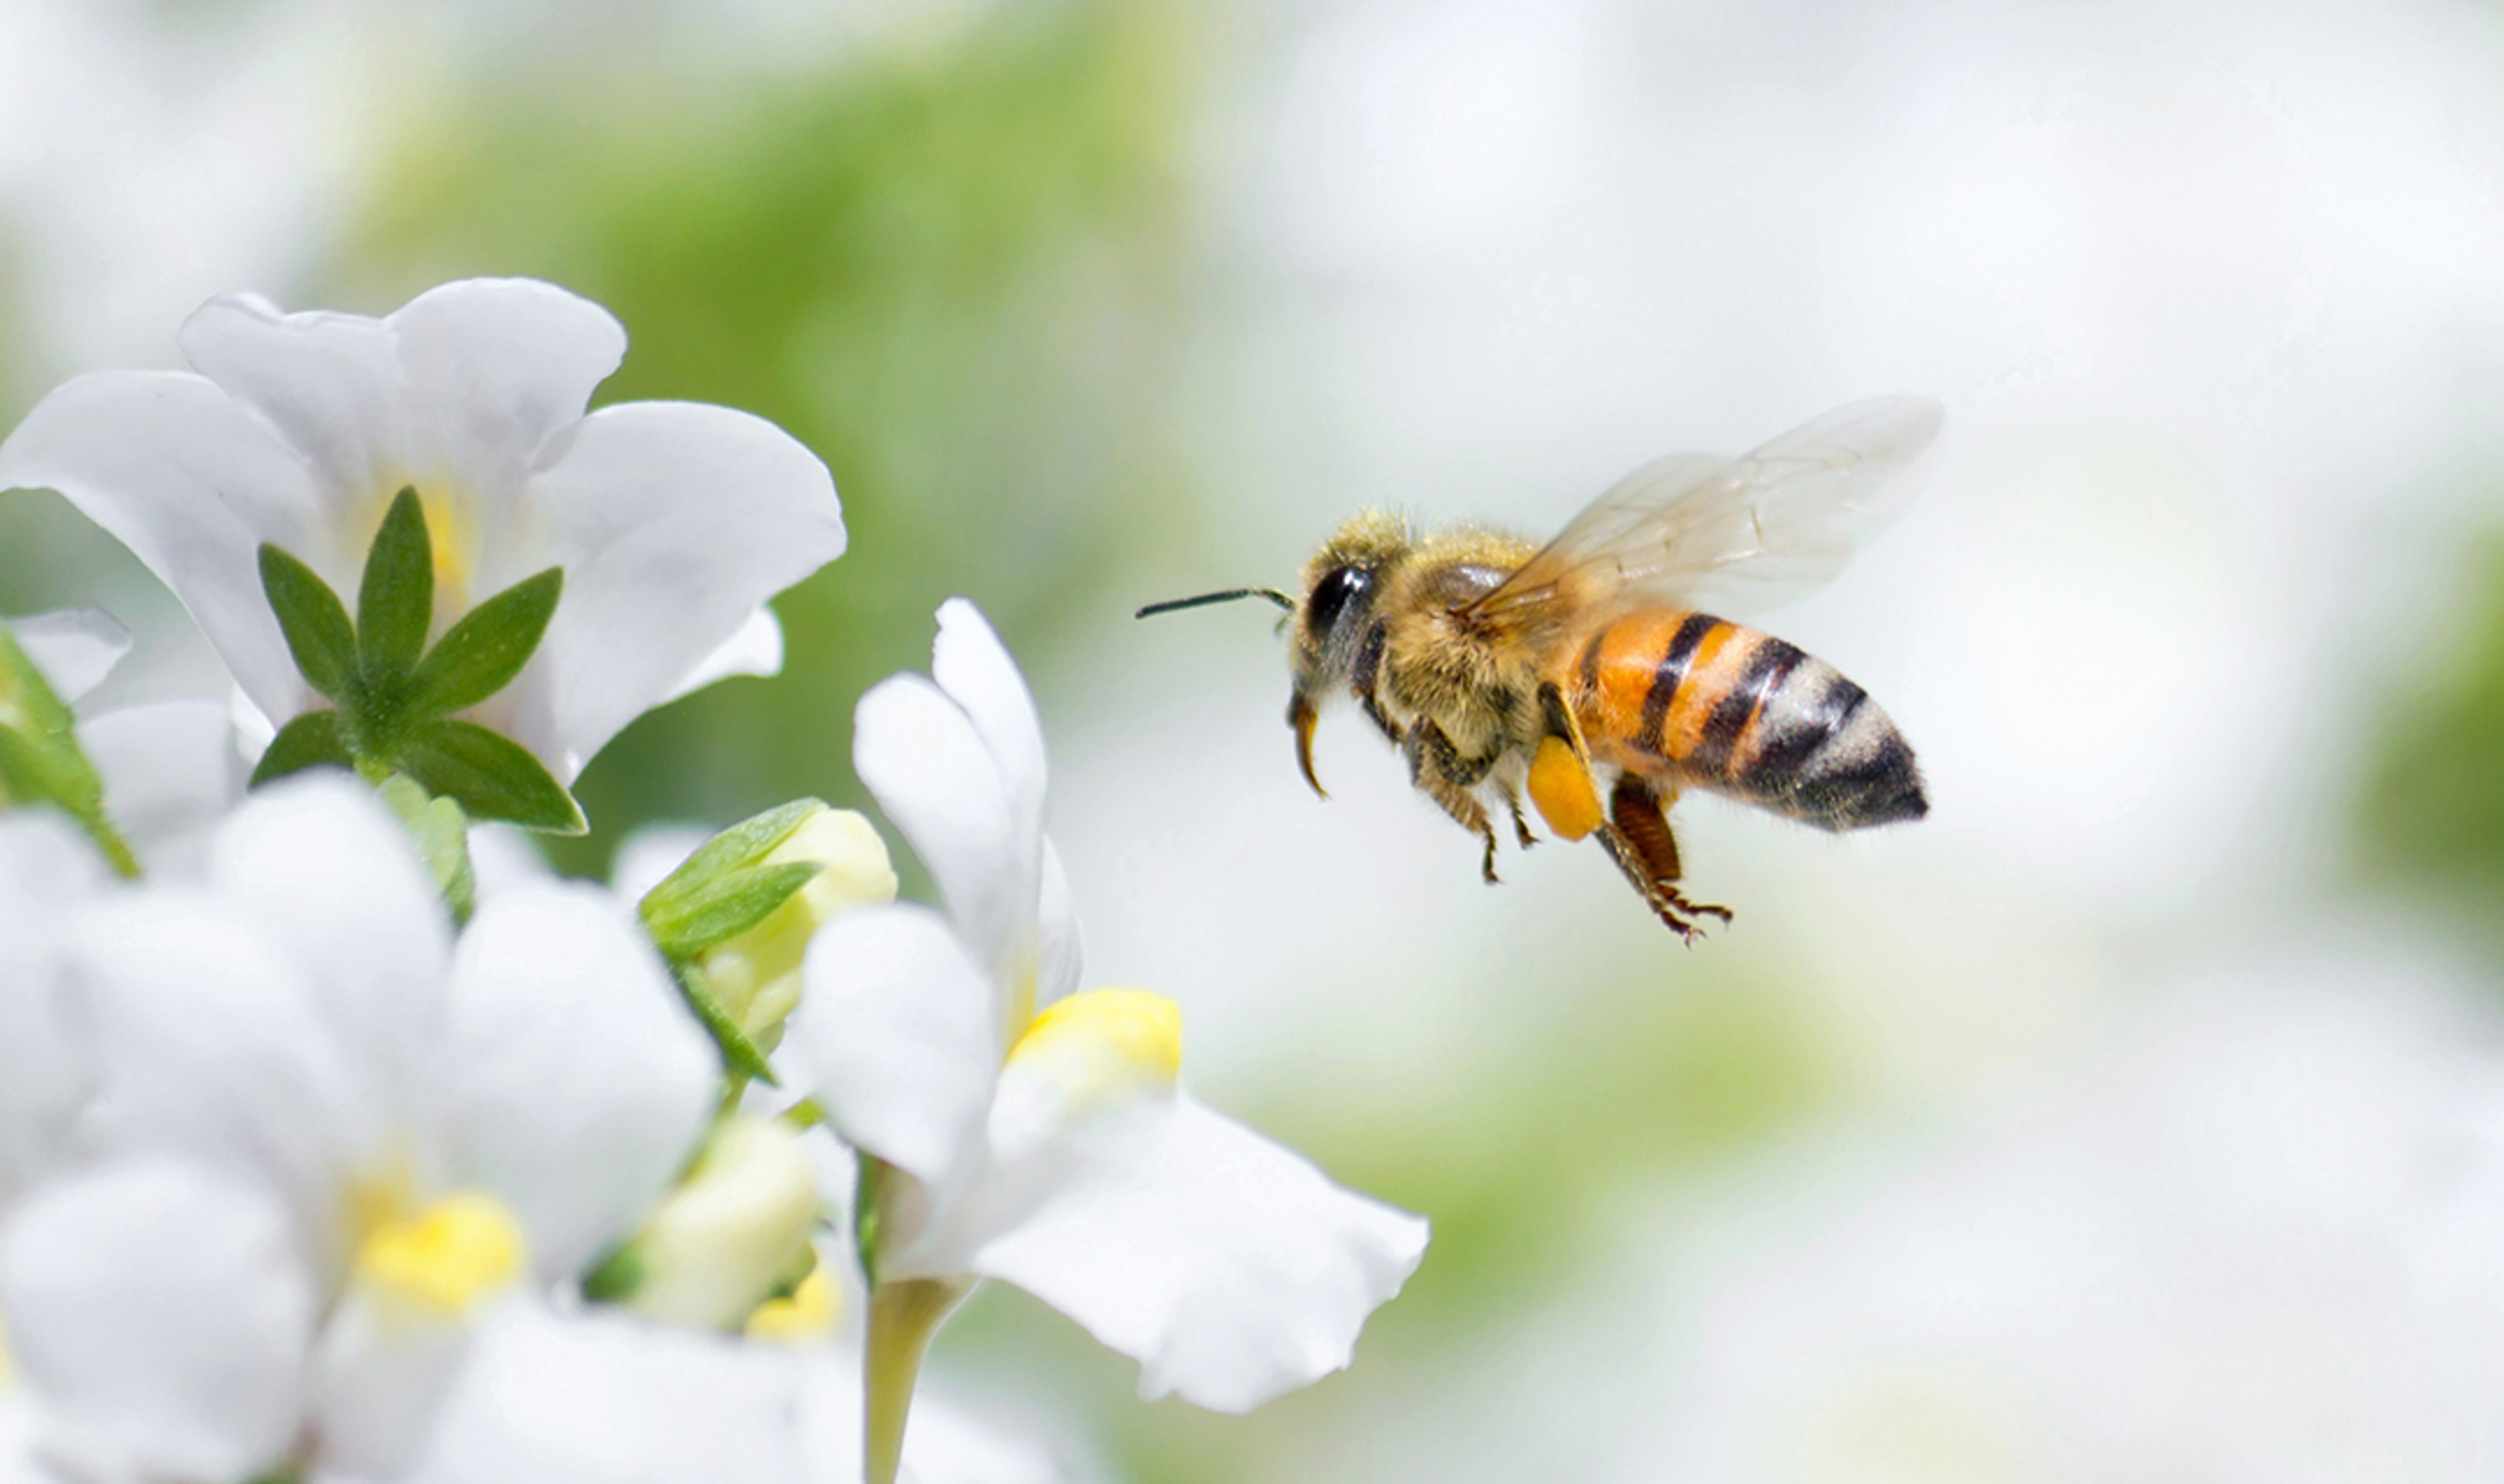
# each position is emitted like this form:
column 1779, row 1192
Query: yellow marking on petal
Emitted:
column 8, row 1367
column 455, row 539
column 807, row 1313
column 446, row 1257
column 1105, row 1040
column 379, row 1196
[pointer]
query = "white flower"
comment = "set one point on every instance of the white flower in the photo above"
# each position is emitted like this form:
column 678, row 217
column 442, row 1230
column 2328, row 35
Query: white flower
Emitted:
column 46, row 874
column 606, row 1398
column 1024, row 1133
column 439, row 1123
column 162, row 1317
column 674, row 522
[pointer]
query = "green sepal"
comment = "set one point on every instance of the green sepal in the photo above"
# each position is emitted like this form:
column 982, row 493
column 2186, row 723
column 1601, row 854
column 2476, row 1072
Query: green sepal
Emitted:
column 41, row 761
column 314, row 621
column 480, row 655
column 396, row 599
column 723, row 907
column 310, row 741
column 740, row 1056
column 442, row 836
column 736, row 848
column 491, row 776
column 616, row 1276
column 868, row 1174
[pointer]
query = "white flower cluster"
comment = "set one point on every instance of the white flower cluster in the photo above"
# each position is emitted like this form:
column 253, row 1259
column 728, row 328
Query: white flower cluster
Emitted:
column 331, row 1150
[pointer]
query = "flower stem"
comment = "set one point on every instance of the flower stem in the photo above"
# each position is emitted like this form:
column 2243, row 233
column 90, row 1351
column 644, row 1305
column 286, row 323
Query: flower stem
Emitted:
column 902, row 1318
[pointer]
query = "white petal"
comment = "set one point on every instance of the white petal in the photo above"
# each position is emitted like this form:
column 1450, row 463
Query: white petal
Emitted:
column 674, row 522
column 330, row 385
column 1228, row 1266
column 606, row 1399
column 1062, row 949
column 379, row 1375
column 495, row 367
column 577, row 1081
column 18, row 1462
column 898, row 1032
column 75, row 648
column 161, row 1314
column 322, row 867
column 208, row 1042
column 921, row 756
column 756, row 649
column 192, row 483
column 171, row 771
column 47, row 1061
column 503, row 857
column 974, row 667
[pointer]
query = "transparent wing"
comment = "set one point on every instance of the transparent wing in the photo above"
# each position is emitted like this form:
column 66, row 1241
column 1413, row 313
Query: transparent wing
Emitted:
column 1731, row 536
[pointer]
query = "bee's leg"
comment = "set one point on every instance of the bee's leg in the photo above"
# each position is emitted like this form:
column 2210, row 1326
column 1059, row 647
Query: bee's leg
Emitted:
column 1640, row 840
column 1521, row 825
column 1450, row 779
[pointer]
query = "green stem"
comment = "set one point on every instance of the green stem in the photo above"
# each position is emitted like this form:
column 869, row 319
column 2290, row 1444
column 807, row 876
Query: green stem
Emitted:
column 902, row 1318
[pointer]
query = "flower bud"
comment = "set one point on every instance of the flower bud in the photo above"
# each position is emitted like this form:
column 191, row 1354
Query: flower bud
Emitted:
column 732, row 1233
column 755, row 976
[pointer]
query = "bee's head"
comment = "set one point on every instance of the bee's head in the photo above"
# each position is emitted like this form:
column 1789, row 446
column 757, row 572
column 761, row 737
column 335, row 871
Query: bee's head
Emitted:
column 1333, row 621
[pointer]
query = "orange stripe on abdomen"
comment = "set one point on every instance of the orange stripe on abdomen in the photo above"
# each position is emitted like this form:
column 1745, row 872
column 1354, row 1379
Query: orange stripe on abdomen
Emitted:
column 1632, row 677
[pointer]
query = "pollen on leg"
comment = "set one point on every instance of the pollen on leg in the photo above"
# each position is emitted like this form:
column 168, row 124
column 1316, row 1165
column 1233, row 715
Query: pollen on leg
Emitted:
column 1560, row 788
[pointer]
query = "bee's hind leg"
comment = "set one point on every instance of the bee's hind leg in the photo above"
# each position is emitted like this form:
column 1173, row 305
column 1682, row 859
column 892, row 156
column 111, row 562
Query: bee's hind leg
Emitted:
column 1639, row 839
column 1451, row 781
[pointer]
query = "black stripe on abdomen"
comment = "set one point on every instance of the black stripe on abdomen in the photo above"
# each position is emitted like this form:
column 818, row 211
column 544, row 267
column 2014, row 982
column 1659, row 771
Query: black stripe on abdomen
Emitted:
column 1779, row 757
column 1769, row 668
column 1667, row 675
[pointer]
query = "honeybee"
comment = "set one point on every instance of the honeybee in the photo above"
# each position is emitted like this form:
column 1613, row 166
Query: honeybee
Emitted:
column 1499, row 668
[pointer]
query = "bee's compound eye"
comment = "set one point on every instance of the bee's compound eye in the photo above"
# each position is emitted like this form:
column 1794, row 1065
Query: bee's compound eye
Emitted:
column 1332, row 595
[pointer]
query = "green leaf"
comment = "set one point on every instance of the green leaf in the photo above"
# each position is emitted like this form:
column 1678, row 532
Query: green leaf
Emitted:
column 616, row 1276
column 314, row 620
column 481, row 654
column 736, row 848
column 443, row 834
column 310, row 741
column 395, row 600
column 739, row 1054
column 726, row 907
column 490, row 775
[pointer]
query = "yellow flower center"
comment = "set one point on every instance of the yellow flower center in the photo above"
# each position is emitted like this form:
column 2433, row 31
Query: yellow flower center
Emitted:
column 807, row 1313
column 1104, row 1042
column 443, row 1260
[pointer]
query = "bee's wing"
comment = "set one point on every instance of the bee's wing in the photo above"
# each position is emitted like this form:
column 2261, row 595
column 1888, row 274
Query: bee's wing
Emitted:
column 1731, row 535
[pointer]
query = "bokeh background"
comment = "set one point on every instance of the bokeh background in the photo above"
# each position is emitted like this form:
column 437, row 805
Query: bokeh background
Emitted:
column 2139, row 1115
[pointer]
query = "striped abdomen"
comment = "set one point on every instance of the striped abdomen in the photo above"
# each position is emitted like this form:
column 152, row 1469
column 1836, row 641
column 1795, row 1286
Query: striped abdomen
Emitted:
column 1728, row 709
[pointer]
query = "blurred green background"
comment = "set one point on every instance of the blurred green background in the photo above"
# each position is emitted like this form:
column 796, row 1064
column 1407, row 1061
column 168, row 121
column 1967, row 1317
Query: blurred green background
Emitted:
column 1096, row 301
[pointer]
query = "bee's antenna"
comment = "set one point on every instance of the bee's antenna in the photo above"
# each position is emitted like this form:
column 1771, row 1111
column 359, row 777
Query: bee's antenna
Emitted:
column 1228, row 596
